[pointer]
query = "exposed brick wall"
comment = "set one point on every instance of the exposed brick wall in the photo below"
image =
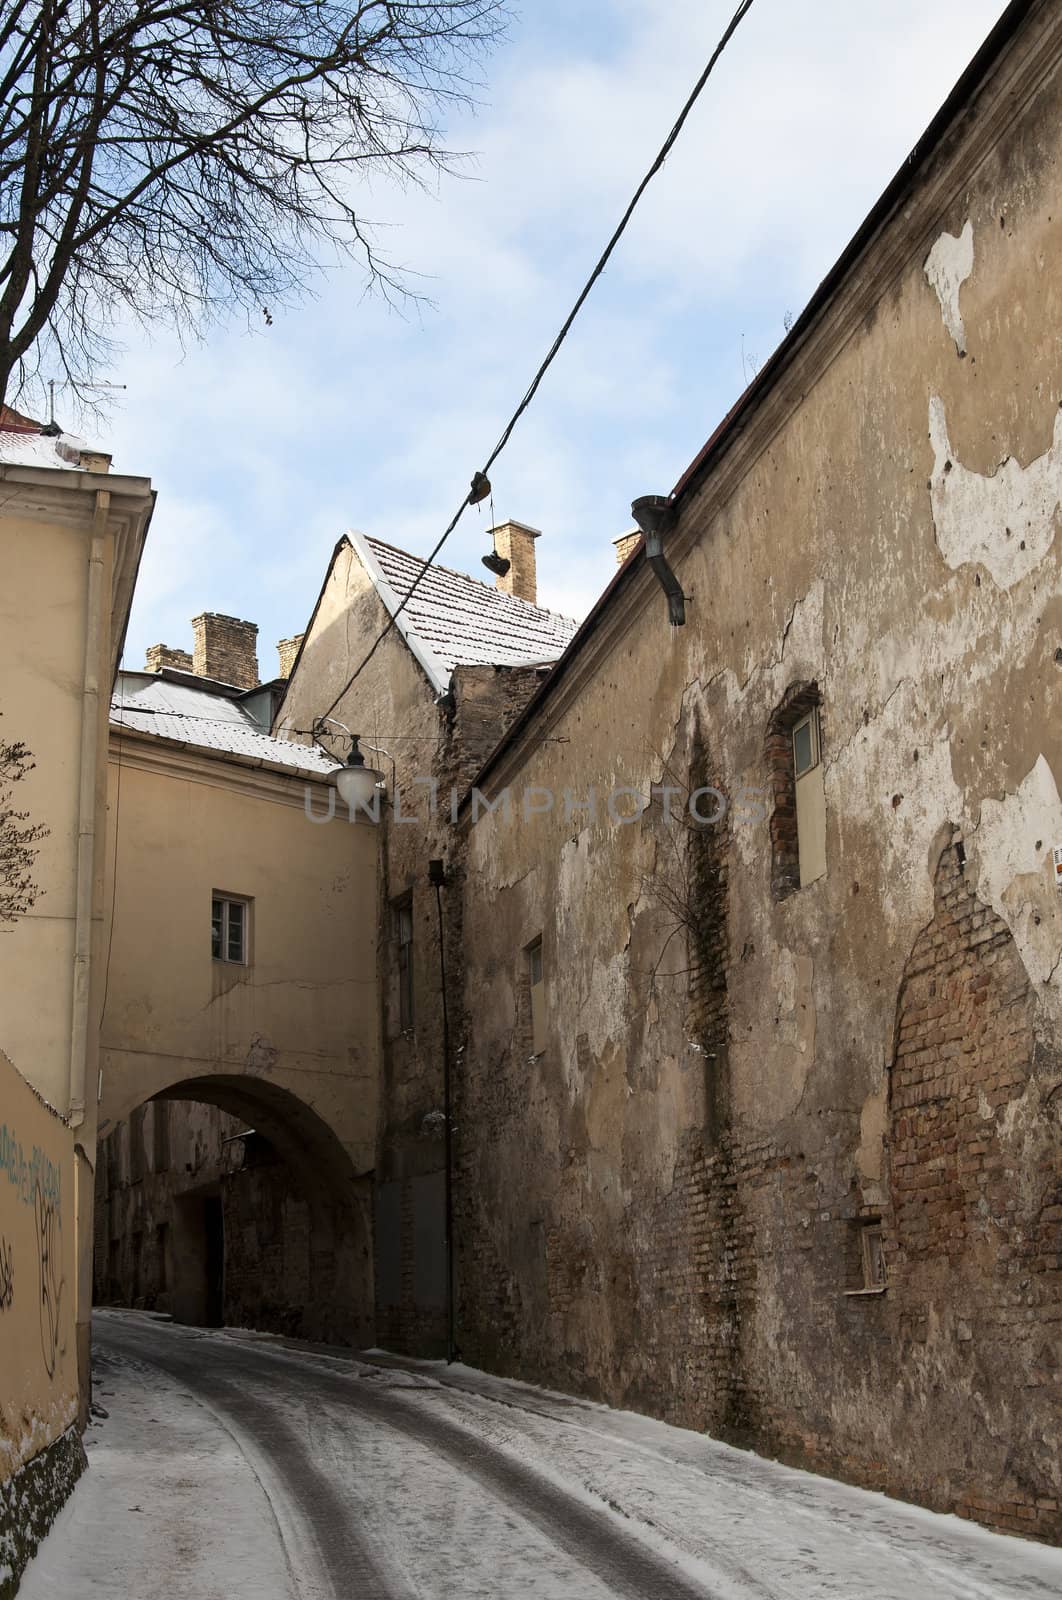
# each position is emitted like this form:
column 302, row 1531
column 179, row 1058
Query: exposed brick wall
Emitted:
column 974, row 1230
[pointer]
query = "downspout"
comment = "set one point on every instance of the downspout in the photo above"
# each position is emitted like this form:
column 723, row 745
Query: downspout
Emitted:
column 437, row 877
column 86, row 817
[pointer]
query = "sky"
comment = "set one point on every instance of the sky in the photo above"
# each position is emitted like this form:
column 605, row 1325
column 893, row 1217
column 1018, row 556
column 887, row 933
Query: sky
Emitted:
column 265, row 444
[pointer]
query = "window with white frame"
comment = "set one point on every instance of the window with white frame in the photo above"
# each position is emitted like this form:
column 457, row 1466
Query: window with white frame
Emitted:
column 230, row 929
column 810, row 797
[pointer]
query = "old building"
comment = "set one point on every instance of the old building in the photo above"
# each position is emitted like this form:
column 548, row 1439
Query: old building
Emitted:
column 459, row 664
column 71, row 533
column 704, row 961
column 241, row 1000
column 760, row 1072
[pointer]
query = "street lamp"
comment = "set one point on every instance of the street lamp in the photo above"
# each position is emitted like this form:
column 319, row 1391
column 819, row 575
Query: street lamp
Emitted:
column 356, row 783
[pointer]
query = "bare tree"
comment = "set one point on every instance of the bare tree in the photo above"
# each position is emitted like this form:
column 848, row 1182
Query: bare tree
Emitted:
column 174, row 158
column 18, row 892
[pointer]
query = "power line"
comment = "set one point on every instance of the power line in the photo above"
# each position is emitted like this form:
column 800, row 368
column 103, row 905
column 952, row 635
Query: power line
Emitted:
column 480, row 483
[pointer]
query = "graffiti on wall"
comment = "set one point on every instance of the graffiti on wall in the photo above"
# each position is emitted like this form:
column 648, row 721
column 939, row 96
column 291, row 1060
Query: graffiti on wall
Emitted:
column 27, row 1173
column 53, row 1282
column 7, row 1274
column 37, row 1182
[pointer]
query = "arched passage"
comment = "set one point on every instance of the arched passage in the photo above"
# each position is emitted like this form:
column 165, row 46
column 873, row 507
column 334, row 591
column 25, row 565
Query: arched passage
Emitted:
column 277, row 1237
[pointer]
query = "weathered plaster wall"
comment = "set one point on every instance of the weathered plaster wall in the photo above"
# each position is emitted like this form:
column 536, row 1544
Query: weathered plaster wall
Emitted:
column 38, row 1307
column 706, row 1180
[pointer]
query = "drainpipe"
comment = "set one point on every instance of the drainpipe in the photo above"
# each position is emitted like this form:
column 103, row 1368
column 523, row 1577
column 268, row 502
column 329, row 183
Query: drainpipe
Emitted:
column 86, row 818
column 437, row 877
column 655, row 514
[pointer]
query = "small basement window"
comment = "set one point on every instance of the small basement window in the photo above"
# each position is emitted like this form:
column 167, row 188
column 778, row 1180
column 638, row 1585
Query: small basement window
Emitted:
column 230, row 921
column 537, row 989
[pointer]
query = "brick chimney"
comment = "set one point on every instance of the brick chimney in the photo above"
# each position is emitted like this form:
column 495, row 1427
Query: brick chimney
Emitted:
column 626, row 545
column 158, row 656
column 225, row 649
column 287, row 650
column 516, row 542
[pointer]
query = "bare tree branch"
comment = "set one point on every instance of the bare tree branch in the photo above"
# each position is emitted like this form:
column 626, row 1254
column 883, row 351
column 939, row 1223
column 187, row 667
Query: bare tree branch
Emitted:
column 18, row 837
column 175, row 159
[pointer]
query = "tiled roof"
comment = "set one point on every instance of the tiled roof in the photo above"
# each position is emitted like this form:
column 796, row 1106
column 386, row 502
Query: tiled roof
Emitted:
column 458, row 621
column 206, row 720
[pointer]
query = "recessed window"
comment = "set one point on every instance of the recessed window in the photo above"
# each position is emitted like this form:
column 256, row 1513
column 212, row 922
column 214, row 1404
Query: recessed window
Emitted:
column 865, row 1267
column 795, row 764
column 230, row 929
column 873, row 1256
column 537, row 988
column 404, row 942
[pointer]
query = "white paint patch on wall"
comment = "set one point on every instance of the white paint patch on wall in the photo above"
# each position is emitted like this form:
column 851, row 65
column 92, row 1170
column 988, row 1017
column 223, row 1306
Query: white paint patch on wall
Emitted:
column 1006, row 521
column 947, row 266
column 1016, row 879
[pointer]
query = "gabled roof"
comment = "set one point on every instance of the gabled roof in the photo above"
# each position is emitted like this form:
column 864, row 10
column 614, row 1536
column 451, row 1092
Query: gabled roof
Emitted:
column 453, row 620
column 207, row 719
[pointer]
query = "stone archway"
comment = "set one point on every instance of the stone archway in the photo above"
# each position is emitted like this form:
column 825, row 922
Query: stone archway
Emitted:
column 305, row 1213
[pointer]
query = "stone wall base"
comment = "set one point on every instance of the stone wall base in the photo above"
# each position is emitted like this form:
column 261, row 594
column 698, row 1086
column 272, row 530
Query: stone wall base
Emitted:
column 30, row 1502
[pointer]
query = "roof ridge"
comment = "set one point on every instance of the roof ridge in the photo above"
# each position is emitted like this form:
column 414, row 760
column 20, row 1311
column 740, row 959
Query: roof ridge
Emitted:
column 468, row 577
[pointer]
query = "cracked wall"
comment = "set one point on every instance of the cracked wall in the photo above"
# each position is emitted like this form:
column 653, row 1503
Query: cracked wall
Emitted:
column 847, row 552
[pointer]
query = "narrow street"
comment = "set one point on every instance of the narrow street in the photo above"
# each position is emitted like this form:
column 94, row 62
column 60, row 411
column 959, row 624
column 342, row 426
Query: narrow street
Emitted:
column 256, row 1469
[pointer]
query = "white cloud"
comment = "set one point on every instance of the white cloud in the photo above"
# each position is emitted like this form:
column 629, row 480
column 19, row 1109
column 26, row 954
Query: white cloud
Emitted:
column 265, row 447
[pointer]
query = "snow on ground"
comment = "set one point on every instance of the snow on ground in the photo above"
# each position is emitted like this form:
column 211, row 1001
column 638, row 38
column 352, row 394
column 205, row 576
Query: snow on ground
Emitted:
column 170, row 1506
column 296, row 1448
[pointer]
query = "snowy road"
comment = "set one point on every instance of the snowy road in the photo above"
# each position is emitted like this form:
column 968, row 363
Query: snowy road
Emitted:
column 234, row 1466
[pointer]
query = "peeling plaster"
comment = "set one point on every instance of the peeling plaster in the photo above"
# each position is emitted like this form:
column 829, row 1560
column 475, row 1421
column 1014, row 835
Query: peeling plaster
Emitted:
column 1005, row 520
column 1016, row 879
column 947, row 266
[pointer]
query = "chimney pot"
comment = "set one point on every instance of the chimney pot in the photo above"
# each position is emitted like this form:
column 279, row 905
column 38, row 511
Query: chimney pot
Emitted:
column 225, row 649
column 515, row 542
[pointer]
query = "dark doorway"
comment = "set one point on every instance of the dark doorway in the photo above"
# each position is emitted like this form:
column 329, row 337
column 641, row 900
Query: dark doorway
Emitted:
column 214, row 1229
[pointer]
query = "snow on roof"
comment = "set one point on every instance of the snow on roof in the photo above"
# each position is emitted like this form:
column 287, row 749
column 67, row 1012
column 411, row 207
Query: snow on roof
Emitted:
column 205, row 719
column 26, row 447
column 453, row 620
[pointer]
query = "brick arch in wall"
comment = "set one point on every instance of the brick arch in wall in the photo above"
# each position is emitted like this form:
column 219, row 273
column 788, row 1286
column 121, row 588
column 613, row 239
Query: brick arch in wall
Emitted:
column 338, row 1292
column 973, row 1224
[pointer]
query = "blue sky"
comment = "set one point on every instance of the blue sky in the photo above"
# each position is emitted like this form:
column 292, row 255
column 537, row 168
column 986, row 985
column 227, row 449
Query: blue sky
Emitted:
column 265, row 445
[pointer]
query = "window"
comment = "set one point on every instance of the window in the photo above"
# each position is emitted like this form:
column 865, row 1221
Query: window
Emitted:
column 230, row 929
column 404, row 941
column 798, row 823
column 810, row 799
column 806, row 744
column 866, row 1272
column 873, row 1257
column 537, row 989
